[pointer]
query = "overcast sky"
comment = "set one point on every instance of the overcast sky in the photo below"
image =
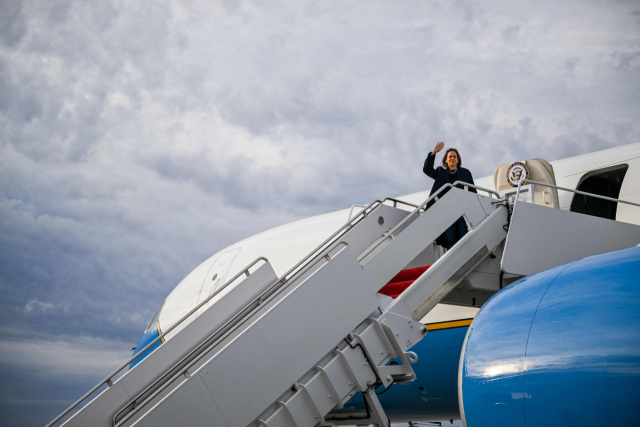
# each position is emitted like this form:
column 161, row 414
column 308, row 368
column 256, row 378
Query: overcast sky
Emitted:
column 139, row 138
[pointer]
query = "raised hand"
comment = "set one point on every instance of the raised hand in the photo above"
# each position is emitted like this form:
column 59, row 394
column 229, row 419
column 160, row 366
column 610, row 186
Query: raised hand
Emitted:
column 439, row 146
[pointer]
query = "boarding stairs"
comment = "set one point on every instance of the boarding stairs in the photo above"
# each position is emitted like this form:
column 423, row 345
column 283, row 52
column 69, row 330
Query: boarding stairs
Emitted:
column 291, row 351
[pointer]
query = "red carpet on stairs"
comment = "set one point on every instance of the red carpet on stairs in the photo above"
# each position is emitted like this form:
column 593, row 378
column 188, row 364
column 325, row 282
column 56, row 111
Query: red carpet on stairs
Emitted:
column 402, row 281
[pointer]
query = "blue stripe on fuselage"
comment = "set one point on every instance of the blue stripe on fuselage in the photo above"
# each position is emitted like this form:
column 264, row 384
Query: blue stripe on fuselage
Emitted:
column 145, row 339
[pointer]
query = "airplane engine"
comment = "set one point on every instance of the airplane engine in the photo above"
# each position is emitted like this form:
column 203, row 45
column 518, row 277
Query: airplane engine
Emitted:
column 561, row 347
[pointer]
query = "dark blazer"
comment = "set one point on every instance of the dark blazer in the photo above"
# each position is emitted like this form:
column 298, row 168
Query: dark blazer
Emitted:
column 441, row 175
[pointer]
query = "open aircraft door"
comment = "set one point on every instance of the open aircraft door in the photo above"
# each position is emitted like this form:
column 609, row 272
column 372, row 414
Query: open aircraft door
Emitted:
column 507, row 177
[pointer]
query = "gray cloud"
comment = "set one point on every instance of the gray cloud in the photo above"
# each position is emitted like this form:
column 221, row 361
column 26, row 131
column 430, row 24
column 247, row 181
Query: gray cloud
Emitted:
column 37, row 378
column 138, row 139
column 12, row 22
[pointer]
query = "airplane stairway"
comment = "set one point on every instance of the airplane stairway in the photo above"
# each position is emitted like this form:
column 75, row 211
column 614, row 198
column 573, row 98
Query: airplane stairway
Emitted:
column 288, row 351
column 329, row 336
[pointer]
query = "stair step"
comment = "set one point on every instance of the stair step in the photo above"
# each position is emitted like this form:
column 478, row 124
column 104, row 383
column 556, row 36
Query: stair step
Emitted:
column 402, row 281
column 409, row 274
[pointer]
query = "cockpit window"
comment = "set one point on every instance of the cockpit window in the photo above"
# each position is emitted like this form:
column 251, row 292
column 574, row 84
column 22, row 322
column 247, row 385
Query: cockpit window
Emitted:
column 156, row 316
column 606, row 182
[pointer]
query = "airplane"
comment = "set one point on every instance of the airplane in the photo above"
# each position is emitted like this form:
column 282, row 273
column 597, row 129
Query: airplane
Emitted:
column 476, row 353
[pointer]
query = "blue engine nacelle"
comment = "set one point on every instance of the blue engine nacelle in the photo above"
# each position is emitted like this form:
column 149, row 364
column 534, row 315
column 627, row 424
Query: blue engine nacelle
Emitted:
column 561, row 347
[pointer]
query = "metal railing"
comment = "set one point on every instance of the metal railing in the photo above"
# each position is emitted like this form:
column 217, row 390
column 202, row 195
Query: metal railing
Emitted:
column 388, row 199
column 355, row 206
column 274, row 287
column 258, row 301
column 477, row 187
column 212, row 341
column 282, row 280
column 398, row 201
column 422, row 207
column 108, row 380
column 611, row 199
column 262, row 298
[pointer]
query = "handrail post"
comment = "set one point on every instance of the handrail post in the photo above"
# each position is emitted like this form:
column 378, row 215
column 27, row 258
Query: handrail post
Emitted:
column 517, row 194
column 611, row 199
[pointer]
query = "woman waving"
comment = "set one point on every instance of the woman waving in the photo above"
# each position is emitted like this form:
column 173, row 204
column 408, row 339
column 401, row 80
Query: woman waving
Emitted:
column 450, row 172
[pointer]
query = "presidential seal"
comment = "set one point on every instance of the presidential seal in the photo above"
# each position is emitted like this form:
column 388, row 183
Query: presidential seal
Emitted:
column 516, row 172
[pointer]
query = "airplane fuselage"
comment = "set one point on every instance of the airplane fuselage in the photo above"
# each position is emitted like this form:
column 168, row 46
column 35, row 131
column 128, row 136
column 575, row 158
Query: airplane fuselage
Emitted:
column 434, row 396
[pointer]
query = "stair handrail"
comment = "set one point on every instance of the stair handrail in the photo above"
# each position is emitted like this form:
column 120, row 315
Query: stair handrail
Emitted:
column 329, row 239
column 108, row 379
column 390, row 199
column 477, row 187
column 223, row 330
column 261, row 298
column 611, row 199
column 423, row 205
column 355, row 206
column 396, row 201
column 283, row 279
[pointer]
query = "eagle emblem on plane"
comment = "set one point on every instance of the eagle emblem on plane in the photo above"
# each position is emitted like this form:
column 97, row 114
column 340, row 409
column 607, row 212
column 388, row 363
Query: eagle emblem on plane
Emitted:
column 516, row 172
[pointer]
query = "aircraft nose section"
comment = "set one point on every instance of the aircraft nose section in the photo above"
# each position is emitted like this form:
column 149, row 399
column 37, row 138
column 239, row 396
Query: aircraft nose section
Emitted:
column 151, row 334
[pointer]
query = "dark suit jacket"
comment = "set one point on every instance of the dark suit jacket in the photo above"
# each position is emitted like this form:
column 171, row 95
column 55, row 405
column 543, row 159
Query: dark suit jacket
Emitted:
column 441, row 175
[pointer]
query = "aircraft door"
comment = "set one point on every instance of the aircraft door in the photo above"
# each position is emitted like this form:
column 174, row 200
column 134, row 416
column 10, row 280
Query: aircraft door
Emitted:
column 606, row 182
column 507, row 177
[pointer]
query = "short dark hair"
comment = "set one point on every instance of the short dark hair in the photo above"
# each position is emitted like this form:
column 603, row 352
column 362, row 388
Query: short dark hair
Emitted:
column 444, row 159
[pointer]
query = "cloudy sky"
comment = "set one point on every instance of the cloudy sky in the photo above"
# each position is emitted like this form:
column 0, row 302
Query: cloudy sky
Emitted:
column 137, row 139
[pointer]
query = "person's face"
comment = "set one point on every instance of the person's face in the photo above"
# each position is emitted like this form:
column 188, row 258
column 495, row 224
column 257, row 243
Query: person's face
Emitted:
column 452, row 160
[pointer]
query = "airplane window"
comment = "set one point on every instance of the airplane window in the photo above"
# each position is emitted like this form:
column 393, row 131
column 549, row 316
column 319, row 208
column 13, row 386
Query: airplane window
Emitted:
column 605, row 182
column 156, row 316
